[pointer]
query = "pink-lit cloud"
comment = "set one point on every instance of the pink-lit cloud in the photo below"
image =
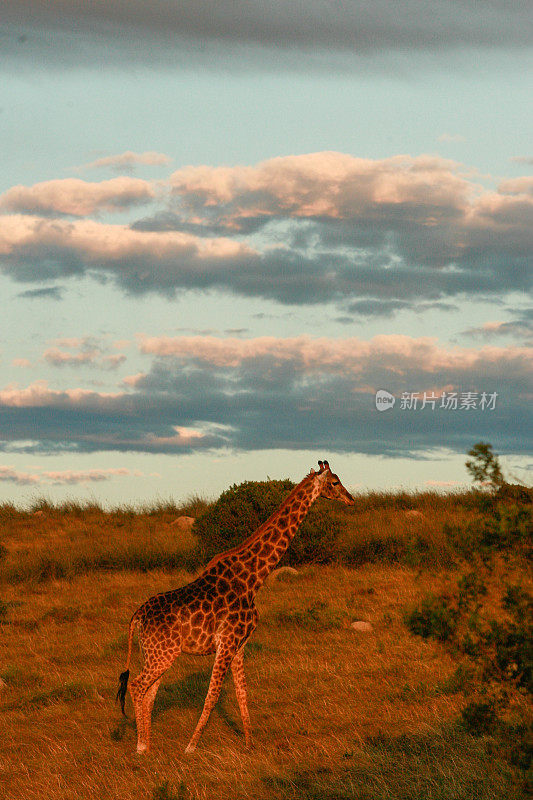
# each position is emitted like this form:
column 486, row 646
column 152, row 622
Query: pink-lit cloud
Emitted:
column 373, row 236
column 63, row 477
column 9, row 474
column 522, row 185
column 92, row 357
column 127, row 161
column 38, row 395
column 398, row 353
column 107, row 246
column 442, row 484
column 76, row 197
column 327, row 184
column 84, row 476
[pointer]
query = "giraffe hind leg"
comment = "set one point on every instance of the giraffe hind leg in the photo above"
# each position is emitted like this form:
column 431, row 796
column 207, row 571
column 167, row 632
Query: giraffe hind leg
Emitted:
column 147, row 706
column 237, row 669
column 140, row 689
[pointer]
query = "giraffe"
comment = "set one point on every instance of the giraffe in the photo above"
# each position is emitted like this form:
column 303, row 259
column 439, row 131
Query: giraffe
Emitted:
column 216, row 612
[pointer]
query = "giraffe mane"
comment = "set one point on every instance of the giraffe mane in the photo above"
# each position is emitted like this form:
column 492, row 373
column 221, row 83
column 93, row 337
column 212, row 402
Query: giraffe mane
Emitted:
column 261, row 529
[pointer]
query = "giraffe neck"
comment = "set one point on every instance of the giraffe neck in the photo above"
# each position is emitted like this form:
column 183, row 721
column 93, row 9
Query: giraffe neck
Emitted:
column 257, row 556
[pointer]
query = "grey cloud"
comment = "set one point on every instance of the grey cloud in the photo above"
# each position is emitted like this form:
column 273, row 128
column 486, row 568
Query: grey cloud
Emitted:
column 519, row 328
column 391, row 271
column 382, row 307
column 162, row 33
column 267, row 402
column 51, row 293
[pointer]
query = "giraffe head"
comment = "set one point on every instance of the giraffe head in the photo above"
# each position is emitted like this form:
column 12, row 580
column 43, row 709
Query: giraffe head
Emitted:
column 332, row 488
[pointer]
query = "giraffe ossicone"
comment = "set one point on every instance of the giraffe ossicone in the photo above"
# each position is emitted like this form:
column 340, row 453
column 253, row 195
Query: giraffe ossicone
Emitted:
column 216, row 612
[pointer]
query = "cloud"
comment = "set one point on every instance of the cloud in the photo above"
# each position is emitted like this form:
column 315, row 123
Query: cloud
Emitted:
column 442, row 484
column 11, row 475
column 140, row 261
column 523, row 159
column 523, row 185
column 275, row 32
column 21, row 362
column 91, row 352
column 50, row 293
column 83, row 476
column 94, row 358
column 351, row 355
column 208, row 394
column 38, row 395
column 519, row 328
column 76, row 197
column 127, row 161
column 62, row 477
column 372, row 236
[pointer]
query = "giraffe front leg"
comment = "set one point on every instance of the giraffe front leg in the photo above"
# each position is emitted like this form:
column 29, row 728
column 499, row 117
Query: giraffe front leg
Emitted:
column 237, row 668
column 223, row 659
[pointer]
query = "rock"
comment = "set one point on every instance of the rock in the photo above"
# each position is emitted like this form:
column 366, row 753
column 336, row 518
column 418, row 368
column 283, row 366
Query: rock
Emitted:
column 284, row 571
column 183, row 523
column 361, row 625
column 39, row 514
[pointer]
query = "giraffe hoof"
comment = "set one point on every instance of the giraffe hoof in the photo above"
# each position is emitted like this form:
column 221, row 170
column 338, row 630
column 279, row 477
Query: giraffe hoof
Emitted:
column 190, row 749
column 141, row 748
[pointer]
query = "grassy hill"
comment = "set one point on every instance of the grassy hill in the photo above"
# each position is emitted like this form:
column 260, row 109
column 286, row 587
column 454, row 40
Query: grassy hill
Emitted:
column 432, row 703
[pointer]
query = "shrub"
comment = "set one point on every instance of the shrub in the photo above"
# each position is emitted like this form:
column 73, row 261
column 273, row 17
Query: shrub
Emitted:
column 479, row 718
column 513, row 641
column 163, row 791
column 501, row 526
column 240, row 510
column 433, row 618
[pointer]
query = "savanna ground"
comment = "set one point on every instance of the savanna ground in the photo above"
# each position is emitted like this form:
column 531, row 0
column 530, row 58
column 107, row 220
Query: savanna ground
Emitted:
column 428, row 705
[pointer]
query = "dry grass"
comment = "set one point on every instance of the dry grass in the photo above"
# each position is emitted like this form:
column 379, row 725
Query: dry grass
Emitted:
column 337, row 713
column 319, row 700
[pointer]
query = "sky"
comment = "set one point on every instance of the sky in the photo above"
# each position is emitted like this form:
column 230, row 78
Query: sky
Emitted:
column 224, row 228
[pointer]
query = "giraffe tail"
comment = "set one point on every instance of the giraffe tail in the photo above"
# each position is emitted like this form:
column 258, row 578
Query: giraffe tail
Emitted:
column 124, row 676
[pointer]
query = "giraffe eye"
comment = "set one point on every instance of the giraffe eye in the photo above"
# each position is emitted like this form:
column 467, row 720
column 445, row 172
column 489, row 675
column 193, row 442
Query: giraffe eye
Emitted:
column 335, row 483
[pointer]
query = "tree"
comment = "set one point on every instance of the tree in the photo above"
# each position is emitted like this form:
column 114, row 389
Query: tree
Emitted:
column 485, row 466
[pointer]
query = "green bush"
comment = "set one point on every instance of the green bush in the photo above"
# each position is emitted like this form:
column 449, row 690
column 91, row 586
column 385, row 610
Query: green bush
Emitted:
column 434, row 618
column 240, row 510
column 510, row 525
column 513, row 641
column 164, row 791
column 479, row 718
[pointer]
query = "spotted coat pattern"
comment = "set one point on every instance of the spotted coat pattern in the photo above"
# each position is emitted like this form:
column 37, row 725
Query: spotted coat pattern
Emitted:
column 216, row 612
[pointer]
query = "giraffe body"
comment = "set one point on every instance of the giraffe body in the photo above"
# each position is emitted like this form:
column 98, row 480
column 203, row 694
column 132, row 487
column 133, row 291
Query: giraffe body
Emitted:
column 215, row 613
